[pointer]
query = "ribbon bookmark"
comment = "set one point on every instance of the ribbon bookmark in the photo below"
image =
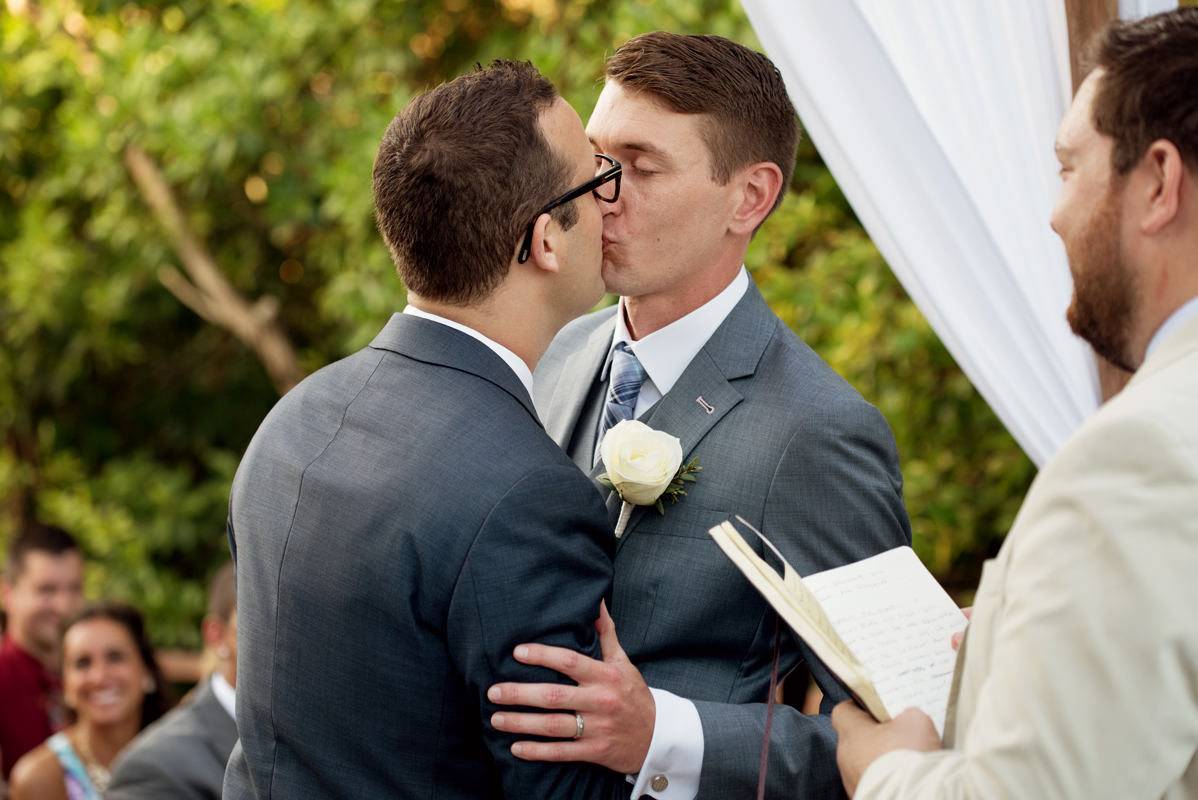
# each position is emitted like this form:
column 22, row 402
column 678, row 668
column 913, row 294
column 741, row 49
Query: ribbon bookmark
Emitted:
column 769, row 708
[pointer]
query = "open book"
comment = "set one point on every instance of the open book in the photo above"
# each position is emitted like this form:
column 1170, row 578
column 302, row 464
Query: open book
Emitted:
column 882, row 626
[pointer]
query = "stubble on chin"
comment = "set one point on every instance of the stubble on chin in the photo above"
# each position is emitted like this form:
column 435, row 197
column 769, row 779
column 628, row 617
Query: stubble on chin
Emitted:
column 615, row 279
column 1103, row 304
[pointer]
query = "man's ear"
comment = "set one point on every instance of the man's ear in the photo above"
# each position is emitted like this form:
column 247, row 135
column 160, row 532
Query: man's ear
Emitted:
column 760, row 186
column 1165, row 172
column 546, row 245
column 212, row 628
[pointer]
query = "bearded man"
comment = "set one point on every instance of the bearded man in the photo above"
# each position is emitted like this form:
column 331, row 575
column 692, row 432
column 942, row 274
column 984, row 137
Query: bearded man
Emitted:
column 1078, row 677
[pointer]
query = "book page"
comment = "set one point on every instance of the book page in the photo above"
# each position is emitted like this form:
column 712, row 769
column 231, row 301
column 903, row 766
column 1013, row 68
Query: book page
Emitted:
column 798, row 607
column 800, row 598
column 899, row 622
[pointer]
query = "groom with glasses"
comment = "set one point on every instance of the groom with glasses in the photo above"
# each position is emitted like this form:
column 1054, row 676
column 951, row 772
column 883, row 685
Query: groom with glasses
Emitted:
column 605, row 185
column 401, row 521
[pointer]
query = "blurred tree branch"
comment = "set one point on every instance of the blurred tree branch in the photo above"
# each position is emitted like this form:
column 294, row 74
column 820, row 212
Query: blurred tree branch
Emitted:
column 123, row 420
column 209, row 293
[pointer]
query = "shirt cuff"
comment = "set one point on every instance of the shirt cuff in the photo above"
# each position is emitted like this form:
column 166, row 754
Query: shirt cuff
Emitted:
column 675, row 757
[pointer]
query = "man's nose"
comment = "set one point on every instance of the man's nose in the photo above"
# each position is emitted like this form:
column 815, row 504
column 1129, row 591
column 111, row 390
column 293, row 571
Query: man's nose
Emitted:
column 95, row 673
column 65, row 601
column 1054, row 219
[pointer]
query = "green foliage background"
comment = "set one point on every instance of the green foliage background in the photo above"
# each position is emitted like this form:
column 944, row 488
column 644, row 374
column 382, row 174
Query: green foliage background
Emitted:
column 123, row 414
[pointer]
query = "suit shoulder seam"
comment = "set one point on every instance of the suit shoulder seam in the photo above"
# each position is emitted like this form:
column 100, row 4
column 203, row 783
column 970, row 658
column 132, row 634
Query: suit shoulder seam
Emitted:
column 287, row 539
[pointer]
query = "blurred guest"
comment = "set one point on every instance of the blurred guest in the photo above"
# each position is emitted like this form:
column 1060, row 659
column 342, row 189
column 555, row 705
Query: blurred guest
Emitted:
column 184, row 755
column 42, row 585
column 1078, row 676
column 114, row 688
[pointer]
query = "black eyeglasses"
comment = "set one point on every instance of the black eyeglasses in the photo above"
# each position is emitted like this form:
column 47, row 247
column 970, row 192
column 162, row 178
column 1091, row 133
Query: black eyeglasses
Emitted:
column 605, row 185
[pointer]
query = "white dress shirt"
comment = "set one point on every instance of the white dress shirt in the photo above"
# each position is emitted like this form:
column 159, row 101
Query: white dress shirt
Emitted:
column 666, row 353
column 511, row 359
column 1173, row 324
column 225, row 694
column 676, row 750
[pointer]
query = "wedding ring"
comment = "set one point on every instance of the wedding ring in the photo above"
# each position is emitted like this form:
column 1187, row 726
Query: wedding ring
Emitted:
column 578, row 720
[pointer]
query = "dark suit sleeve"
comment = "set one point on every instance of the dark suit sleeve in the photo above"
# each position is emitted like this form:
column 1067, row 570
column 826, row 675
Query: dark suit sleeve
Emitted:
column 536, row 573
column 838, row 487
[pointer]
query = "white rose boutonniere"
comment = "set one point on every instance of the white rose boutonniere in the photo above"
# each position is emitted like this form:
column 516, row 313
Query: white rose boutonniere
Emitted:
column 642, row 466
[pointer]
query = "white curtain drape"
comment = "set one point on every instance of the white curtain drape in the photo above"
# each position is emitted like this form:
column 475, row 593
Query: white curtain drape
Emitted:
column 938, row 118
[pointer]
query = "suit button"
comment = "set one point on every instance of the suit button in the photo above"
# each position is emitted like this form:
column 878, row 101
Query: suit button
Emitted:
column 659, row 783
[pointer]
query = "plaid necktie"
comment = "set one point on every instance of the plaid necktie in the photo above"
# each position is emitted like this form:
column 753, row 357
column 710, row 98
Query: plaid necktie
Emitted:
column 627, row 376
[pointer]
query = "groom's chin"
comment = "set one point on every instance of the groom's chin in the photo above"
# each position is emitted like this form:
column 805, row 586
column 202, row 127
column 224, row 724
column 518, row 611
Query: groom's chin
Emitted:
column 611, row 273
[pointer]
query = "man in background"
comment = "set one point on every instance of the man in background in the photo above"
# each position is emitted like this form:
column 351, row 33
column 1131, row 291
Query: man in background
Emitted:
column 707, row 137
column 183, row 755
column 1078, row 676
column 41, row 586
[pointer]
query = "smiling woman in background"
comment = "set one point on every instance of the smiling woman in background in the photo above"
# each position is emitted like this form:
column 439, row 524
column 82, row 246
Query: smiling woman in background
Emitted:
column 113, row 686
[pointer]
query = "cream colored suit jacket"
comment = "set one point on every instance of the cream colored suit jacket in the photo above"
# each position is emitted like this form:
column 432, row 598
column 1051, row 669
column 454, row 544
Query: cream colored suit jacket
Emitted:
column 1080, row 676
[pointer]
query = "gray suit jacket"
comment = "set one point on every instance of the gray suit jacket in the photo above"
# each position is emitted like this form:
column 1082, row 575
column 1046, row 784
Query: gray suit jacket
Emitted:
column 180, row 757
column 400, row 522
column 796, row 451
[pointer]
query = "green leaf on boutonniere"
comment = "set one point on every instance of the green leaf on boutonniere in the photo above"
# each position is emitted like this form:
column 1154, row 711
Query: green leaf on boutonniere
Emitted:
column 606, row 481
column 675, row 490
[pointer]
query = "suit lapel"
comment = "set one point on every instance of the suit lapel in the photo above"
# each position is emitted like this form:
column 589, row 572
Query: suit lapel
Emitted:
column 219, row 728
column 578, row 377
column 680, row 414
column 731, row 353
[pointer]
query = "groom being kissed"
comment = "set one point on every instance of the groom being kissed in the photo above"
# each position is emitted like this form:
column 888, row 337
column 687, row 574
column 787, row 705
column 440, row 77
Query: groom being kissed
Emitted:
column 707, row 137
column 401, row 521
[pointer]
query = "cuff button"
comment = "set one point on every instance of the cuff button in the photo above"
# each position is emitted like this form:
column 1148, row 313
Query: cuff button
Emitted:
column 659, row 783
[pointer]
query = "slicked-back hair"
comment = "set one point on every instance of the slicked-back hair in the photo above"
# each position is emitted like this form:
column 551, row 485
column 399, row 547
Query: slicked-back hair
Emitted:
column 461, row 172
column 222, row 592
column 36, row 538
column 749, row 117
column 1149, row 87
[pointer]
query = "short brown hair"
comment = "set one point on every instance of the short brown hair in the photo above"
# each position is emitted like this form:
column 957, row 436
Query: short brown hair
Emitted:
column 740, row 91
column 1149, row 87
column 222, row 592
column 461, row 172
column 36, row 538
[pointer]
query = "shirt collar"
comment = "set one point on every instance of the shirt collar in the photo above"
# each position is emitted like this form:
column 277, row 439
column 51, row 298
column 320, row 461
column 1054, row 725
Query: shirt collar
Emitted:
column 511, row 359
column 666, row 353
column 1175, row 321
column 226, row 695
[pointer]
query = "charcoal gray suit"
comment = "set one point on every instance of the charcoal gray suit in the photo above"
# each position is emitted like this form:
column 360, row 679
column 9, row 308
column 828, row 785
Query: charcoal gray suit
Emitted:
column 784, row 442
column 180, row 757
column 400, row 523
